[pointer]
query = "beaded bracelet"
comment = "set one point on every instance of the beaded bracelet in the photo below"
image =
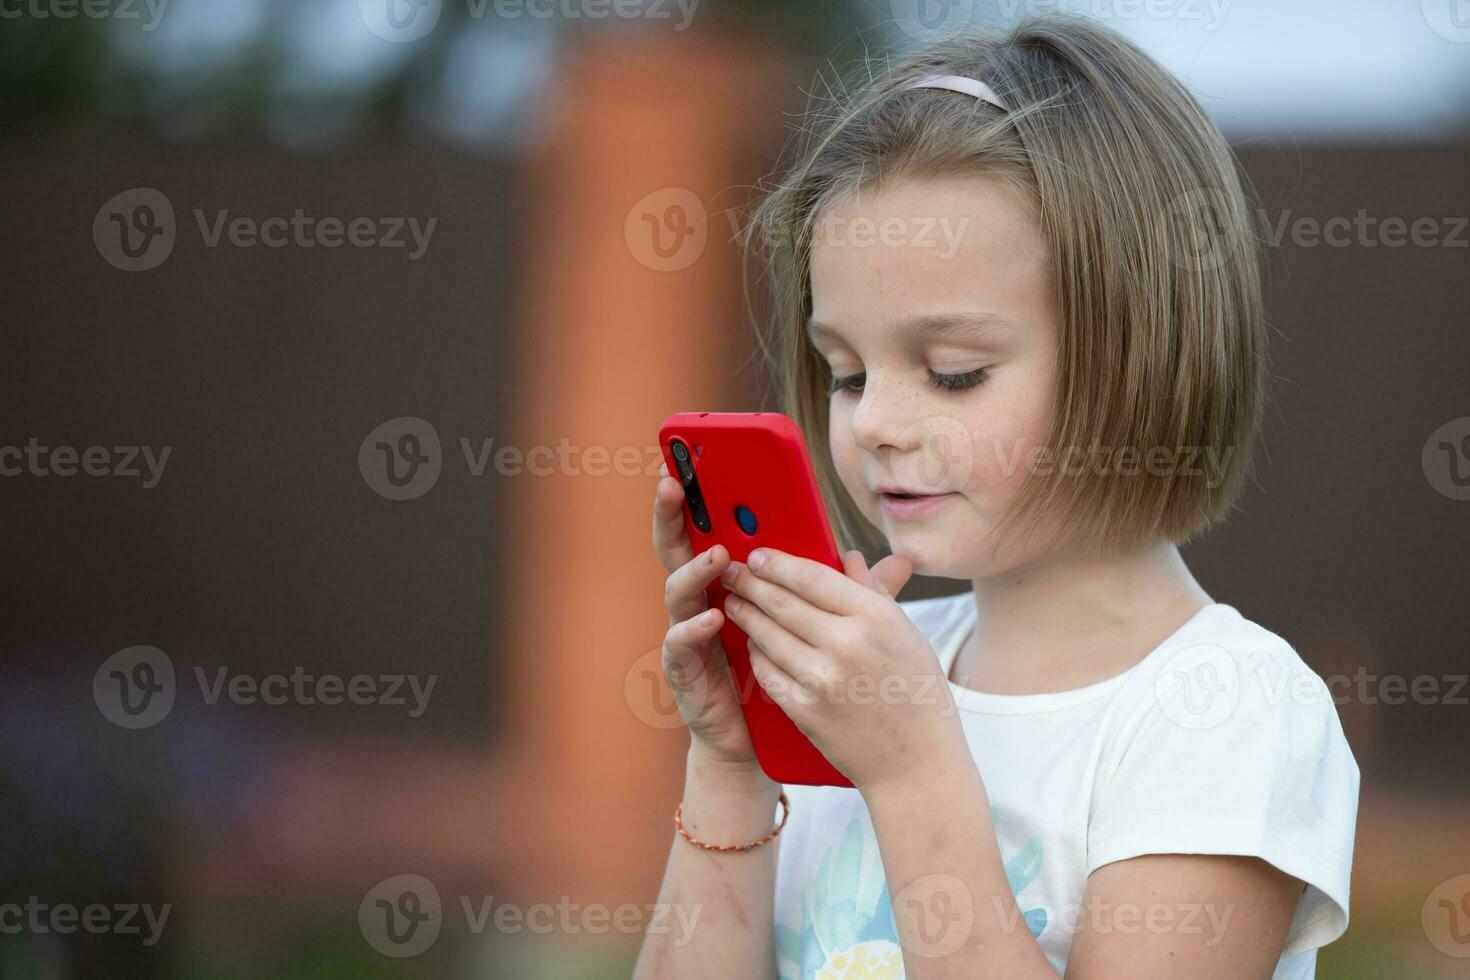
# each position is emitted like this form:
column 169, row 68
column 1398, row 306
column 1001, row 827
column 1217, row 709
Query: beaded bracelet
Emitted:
column 785, row 812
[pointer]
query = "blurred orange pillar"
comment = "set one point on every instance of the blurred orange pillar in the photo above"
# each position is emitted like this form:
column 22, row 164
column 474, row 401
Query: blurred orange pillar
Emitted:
column 629, row 314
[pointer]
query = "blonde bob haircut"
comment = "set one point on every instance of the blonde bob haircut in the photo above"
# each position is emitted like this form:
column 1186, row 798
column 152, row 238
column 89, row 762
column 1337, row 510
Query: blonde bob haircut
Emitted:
column 1151, row 255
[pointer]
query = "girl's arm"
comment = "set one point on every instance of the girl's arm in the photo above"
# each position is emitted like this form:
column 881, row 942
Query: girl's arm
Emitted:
column 726, row 899
column 954, row 908
column 717, row 908
column 1204, row 915
column 1159, row 915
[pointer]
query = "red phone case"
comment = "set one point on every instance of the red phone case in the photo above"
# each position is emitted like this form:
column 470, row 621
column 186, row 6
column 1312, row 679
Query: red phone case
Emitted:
column 758, row 460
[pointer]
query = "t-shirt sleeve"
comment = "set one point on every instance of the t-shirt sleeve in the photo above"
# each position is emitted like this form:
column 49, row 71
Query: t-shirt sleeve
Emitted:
column 1222, row 751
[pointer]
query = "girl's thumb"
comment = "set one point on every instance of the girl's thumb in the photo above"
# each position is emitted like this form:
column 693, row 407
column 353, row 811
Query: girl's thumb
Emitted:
column 892, row 573
column 887, row 576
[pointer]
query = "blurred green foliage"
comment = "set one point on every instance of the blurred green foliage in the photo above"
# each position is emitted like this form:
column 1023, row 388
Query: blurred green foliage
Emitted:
column 58, row 73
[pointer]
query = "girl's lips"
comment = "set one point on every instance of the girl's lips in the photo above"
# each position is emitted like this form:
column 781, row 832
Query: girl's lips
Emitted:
column 906, row 507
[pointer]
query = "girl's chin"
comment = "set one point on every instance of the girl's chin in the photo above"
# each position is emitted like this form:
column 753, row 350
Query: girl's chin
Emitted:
column 929, row 557
column 931, row 542
column 937, row 551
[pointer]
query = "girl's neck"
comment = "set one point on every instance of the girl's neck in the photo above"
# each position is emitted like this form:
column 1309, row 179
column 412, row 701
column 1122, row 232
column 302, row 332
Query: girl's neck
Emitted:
column 1069, row 621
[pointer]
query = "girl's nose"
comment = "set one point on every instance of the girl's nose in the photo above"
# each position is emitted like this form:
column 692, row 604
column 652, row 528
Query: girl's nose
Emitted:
column 885, row 416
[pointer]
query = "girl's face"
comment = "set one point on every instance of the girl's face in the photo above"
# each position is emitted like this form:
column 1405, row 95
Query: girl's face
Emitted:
column 931, row 305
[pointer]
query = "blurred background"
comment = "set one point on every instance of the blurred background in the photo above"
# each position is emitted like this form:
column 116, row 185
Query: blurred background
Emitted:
column 336, row 339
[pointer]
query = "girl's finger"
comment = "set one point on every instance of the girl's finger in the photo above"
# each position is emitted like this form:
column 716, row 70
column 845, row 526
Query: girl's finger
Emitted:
column 697, row 629
column 785, row 649
column 893, row 573
column 802, row 618
column 857, row 570
column 684, row 663
column 670, row 539
column 684, row 591
column 772, row 679
column 822, row 586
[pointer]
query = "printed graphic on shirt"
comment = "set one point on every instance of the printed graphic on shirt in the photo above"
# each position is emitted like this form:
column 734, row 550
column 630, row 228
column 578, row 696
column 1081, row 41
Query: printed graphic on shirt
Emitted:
column 848, row 931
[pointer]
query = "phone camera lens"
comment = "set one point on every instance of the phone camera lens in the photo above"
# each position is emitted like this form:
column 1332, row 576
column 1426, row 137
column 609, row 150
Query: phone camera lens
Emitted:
column 693, row 498
column 682, row 463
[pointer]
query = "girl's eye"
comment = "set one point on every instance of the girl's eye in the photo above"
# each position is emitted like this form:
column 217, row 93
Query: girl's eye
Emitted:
column 959, row 382
column 947, row 382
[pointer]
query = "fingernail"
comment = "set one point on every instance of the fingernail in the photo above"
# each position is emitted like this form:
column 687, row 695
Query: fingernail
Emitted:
column 756, row 560
column 707, row 617
column 728, row 575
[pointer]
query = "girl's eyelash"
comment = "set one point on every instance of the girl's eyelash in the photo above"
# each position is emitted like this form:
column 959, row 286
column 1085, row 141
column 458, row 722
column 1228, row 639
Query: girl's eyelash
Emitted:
column 958, row 382
column 945, row 382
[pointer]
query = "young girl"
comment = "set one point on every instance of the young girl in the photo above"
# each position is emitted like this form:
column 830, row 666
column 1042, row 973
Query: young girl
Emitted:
column 1020, row 323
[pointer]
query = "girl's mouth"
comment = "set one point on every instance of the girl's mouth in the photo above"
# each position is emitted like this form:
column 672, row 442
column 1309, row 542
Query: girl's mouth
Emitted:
column 909, row 505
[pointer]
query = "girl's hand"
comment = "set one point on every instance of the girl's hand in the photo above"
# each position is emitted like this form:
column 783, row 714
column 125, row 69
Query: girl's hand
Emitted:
column 844, row 661
column 693, row 657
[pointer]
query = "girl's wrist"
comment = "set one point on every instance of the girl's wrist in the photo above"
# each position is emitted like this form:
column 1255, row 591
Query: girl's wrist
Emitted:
column 725, row 802
column 953, row 766
column 728, row 776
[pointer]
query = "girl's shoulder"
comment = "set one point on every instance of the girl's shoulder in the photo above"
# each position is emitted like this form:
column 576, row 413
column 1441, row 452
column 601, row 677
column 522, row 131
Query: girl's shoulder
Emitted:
column 1224, row 741
column 1223, row 652
column 1218, row 686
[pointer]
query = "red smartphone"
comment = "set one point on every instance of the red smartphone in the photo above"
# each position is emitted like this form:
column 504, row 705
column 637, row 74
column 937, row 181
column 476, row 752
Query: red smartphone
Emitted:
column 748, row 482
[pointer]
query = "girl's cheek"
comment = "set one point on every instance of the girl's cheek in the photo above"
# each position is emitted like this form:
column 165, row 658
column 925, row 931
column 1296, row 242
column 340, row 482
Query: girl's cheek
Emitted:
column 1001, row 445
column 847, row 458
column 993, row 448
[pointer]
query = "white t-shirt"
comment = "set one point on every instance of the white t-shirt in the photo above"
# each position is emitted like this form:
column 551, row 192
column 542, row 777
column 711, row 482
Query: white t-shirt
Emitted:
column 1220, row 741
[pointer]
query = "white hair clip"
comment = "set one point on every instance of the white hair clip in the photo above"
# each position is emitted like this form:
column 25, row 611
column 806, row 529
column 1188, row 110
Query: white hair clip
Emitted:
column 963, row 85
